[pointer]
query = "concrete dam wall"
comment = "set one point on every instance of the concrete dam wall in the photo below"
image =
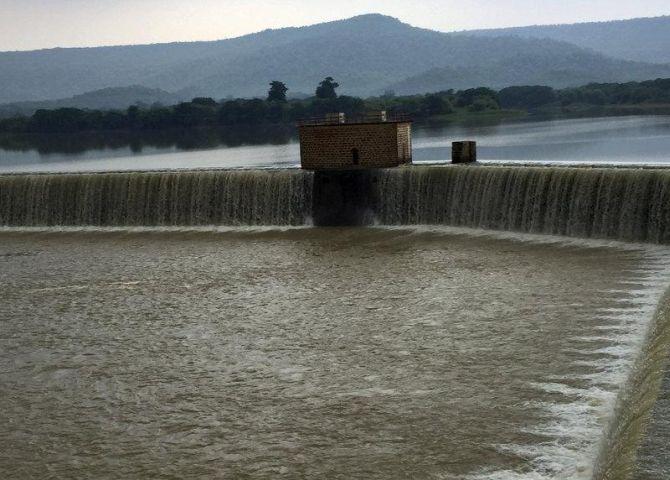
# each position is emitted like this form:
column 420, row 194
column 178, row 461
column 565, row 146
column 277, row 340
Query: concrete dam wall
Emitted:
column 616, row 203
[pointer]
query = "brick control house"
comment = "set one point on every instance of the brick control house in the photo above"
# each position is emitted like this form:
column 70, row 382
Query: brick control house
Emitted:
column 337, row 143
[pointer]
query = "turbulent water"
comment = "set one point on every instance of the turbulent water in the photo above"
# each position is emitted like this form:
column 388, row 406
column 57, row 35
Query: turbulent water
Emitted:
column 622, row 204
column 147, row 350
column 324, row 353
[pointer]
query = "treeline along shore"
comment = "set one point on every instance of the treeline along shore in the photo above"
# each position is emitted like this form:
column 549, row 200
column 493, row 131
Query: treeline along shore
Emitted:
column 651, row 96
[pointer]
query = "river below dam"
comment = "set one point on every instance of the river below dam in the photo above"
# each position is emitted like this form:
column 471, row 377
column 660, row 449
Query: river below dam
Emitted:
column 340, row 353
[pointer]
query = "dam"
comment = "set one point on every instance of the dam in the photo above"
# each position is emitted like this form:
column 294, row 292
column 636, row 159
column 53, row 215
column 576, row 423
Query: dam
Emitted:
column 517, row 330
column 628, row 204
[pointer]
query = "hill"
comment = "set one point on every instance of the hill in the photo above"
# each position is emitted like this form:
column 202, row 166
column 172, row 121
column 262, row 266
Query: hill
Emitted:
column 367, row 55
column 106, row 99
column 640, row 39
column 557, row 71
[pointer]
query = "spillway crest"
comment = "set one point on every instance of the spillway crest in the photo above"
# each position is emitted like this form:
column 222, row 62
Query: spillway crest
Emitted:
column 622, row 204
column 187, row 198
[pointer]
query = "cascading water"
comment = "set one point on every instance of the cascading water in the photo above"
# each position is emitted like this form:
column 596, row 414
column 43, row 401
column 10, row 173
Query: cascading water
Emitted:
column 621, row 204
column 188, row 198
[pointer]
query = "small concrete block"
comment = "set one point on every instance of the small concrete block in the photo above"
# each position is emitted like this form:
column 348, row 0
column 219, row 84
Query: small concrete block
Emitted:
column 464, row 152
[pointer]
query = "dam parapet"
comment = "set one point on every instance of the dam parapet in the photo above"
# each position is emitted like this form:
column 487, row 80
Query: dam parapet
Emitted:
column 628, row 204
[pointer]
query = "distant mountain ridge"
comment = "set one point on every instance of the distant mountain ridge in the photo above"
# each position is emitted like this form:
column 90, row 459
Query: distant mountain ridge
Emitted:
column 367, row 55
column 639, row 39
column 556, row 71
column 111, row 98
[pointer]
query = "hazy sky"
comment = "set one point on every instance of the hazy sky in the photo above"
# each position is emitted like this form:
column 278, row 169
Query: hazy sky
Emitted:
column 31, row 24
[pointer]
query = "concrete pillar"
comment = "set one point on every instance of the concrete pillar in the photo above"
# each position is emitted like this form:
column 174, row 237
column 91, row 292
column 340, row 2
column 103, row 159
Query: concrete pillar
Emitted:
column 464, row 152
column 344, row 198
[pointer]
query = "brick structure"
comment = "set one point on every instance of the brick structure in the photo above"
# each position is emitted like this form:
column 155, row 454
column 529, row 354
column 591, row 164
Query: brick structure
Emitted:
column 375, row 141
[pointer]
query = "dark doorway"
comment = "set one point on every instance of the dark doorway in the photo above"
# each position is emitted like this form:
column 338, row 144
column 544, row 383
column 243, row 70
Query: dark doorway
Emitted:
column 355, row 157
column 344, row 197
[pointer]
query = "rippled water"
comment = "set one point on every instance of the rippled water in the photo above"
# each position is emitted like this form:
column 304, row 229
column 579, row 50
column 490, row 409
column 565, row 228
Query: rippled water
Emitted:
column 315, row 353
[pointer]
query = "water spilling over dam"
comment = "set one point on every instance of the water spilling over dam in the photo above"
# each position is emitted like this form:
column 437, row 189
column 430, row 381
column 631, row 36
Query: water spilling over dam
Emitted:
column 616, row 203
column 621, row 204
column 189, row 198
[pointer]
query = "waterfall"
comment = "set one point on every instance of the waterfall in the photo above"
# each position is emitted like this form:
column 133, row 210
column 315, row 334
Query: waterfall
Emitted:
column 630, row 204
column 187, row 198
column 618, row 203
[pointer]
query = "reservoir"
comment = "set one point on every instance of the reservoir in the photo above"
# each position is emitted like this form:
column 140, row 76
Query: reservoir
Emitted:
column 612, row 140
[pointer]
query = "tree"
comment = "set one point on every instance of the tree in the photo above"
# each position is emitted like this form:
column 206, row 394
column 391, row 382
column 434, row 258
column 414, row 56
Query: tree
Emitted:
column 326, row 88
column 204, row 101
column 465, row 98
column 59, row 120
column 526, row 96
column 191, row 114
column 133, row 112
column 277, row 91
column 434, row 104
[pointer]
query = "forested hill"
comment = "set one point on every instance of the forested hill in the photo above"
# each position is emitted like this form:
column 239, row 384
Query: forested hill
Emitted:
column 533, row 69
column 104, row 99
column 640, row 39
column 649, row 97
column 367, row 54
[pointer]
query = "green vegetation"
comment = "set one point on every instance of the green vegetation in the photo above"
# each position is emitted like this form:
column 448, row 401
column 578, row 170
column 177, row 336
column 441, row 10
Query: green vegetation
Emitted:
column 277, row 110
column 633, row 93
column 277, row 91
column 326, row 88
column 104, row 99
column 526, row 97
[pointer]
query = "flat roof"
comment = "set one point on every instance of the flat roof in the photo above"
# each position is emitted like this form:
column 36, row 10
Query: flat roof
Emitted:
column 371, row 119
column 349, row 124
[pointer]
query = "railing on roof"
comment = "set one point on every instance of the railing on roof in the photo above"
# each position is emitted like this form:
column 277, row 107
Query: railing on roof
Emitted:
column 341, row 119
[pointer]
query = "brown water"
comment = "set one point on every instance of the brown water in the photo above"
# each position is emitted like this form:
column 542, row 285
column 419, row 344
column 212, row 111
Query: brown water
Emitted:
column 314, row 353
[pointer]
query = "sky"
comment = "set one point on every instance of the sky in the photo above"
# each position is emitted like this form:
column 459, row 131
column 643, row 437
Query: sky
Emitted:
column 34, row 24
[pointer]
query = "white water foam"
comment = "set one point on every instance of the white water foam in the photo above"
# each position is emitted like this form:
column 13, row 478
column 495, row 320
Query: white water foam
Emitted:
column 578, row 424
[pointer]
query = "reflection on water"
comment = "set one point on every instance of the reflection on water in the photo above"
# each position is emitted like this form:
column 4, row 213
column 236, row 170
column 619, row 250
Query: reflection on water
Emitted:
column 249, row 147
column 139, row 142
column 294, row 354
column 600, row 140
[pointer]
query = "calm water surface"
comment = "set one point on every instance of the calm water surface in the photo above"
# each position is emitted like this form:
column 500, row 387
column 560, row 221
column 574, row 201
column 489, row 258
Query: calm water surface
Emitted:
column 314, row 353
column 599, row 140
